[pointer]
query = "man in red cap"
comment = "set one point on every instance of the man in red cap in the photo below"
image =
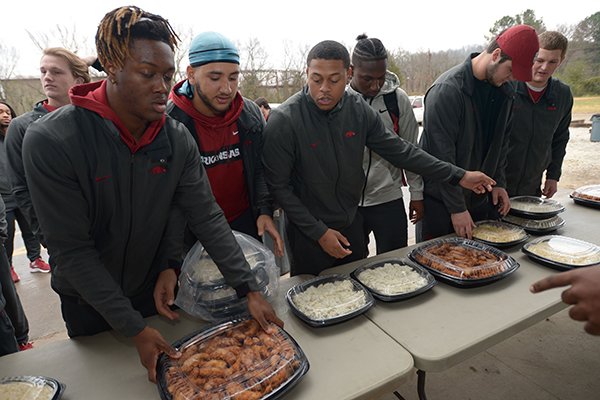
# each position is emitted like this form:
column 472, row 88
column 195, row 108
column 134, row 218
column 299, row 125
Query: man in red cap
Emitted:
column 467, row 122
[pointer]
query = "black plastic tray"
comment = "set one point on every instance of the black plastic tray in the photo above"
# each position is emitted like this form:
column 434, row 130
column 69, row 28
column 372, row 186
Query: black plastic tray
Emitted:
column 57, row 387
column 538, row 231
column 209, row 331
column 586, row 202
column 512, row 264
column 536, row 215
column 502, row 245
column 401, row 296
column 301, row 287
column 551, row 263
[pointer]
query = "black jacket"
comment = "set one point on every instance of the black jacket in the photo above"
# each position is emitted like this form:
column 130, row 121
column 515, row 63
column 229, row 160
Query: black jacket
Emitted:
column 538, row 139
column 105, row 212
column 451, row 132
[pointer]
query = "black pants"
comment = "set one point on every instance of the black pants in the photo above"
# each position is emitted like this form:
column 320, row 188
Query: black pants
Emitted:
column 81, row 319
column 388, row 223
column 14, row 308
column 309, row 258
column 8, row 344
column 32, row 244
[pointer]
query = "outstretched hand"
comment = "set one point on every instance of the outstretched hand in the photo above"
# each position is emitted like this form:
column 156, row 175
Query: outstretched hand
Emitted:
column 477, row 182
column 262, row 311
column 335, row 244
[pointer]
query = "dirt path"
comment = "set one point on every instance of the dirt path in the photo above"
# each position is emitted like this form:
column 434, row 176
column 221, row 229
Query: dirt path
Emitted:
column 582, row 162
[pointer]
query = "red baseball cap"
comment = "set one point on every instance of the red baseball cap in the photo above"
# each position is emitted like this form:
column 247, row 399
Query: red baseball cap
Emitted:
column 520, row 43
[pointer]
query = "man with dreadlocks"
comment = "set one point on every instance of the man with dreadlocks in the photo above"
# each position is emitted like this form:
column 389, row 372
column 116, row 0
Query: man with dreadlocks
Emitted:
column 105, row 175
column 313, row 153
column 381, row 204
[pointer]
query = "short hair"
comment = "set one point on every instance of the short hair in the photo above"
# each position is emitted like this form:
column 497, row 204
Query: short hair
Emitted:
column 122, row 25
column 553, row 40
column 13, row 114
column 78, row 67
column 368, row 49
column 262, row 102
column 329, row 50
column 493, row 45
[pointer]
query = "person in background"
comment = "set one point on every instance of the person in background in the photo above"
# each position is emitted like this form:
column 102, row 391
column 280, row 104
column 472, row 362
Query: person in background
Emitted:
column 540, row 128
column 264, row 106
column 227, row 129
column 381, row 205
column 106, row 175
column 60, row 70
column 8, row 342
column 313, row 157
column 583, row 295
column 467, row 123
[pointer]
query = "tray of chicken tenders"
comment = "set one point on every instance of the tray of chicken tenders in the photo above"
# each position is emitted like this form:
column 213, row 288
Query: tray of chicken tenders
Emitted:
column 234, row 360
column 464, row 262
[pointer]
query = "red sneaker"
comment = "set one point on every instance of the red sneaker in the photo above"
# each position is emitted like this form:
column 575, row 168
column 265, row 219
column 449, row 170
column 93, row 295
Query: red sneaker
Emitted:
column 39, row 265
column 25, row 346
column 14, row 275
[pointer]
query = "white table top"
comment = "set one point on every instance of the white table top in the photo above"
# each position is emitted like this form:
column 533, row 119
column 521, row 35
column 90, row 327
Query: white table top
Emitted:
column 353, row 360
column 448, row 325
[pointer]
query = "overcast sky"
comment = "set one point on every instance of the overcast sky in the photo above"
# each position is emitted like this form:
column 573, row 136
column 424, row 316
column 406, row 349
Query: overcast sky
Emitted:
column 411, row 25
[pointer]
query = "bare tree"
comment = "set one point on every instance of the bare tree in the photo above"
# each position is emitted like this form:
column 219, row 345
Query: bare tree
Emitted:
column 186, row 35
column 10, row 58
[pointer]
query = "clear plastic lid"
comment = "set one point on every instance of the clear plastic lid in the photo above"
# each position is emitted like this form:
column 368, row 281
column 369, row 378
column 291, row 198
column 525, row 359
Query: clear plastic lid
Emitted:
column 329, row 299
column 202, row 288
column 233, row 360
column 563, row 250
column 534, row 207
column 497, row 232
column 393, row 279
column 30, row 388
column 536, row 225
column 463, row 259
column 588, row 192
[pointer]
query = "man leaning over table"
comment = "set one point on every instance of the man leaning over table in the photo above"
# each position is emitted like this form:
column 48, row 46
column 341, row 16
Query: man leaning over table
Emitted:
column 313, row 155
column 105, row 174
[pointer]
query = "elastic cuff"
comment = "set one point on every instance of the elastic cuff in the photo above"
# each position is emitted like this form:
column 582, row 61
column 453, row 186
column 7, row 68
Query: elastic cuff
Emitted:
column 242, row 290
column 457, row 176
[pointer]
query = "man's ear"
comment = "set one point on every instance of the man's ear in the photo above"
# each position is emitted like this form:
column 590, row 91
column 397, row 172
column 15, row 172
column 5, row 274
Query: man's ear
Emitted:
column 110, row 70
column 189, row 71
column 351, row 71
column 496, row 54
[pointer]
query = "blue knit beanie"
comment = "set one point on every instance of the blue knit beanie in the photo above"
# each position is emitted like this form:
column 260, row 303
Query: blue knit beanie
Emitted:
column 210, row 47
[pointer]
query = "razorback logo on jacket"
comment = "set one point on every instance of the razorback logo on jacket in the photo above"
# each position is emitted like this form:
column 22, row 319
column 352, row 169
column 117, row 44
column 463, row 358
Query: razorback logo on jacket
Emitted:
column 224, row 155
column 350, row 134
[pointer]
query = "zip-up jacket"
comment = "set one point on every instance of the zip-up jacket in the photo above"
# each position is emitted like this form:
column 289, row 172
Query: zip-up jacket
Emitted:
column 250, row 129
column 538, row 139
column 452, row 132
column 105, row 210
column 383, row 180
column 14, row 143
column 313, row 159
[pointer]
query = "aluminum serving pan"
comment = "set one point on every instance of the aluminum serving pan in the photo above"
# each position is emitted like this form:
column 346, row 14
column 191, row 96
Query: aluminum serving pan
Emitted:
column 534, row 207
column 562, row 252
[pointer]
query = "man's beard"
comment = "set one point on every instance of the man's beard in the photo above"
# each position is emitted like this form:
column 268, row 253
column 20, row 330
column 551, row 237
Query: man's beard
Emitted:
column 489, row 74
column 206, row 100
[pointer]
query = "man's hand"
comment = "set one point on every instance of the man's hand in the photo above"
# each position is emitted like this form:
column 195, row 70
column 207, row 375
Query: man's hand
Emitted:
column 550, row 188
column 501, row 200
column 261, row 311
column 150, row 344
column 164, row 293
column 333, row 242
column 584, row 294
column 265, row 223
column 416, row 210
column 477, row 181
column 463, row 224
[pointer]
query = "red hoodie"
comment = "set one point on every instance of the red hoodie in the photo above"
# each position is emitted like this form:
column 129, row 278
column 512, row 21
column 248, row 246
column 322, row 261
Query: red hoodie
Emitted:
column 92, row 96
column 220, row 152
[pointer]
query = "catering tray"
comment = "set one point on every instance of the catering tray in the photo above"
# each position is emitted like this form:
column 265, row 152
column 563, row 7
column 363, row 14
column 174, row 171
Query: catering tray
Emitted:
column 562, row 252
column 30, row 388
column 355, row 300
column 497, row 264
column 534, row 207
column 588, row 195
column 391, row 288
column 232, row 360
column 536, row 226
column 499, row 234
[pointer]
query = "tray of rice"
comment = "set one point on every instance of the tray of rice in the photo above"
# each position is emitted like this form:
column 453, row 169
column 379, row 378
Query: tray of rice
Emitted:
column 534, row 207
column 499, row 234
column 562, row 252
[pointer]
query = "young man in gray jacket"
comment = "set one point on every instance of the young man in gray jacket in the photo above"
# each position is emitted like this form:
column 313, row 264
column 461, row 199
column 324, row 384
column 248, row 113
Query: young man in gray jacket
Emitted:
column 313, row 154
column 381, row 205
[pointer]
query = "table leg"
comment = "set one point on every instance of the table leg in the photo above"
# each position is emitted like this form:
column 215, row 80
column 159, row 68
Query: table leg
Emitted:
column 398, row 395
column 421, row 385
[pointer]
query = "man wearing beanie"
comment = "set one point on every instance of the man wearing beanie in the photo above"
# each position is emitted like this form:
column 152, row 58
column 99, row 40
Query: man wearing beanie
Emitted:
column 467, row 123
column 228, row 130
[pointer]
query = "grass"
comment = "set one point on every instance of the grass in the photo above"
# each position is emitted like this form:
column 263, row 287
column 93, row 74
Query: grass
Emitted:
column 586, row 105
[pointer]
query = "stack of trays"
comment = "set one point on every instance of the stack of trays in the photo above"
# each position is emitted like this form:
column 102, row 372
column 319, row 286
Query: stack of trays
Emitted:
column 328, row 300
column 463, row 262
column 232, row 360
column 535, row 214
column 587, row 195
column 499, row 234
column 562, row 252
column 30, row 387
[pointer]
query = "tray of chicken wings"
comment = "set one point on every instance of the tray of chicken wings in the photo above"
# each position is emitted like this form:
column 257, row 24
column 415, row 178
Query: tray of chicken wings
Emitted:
column 464, row 262
column 234, row 360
